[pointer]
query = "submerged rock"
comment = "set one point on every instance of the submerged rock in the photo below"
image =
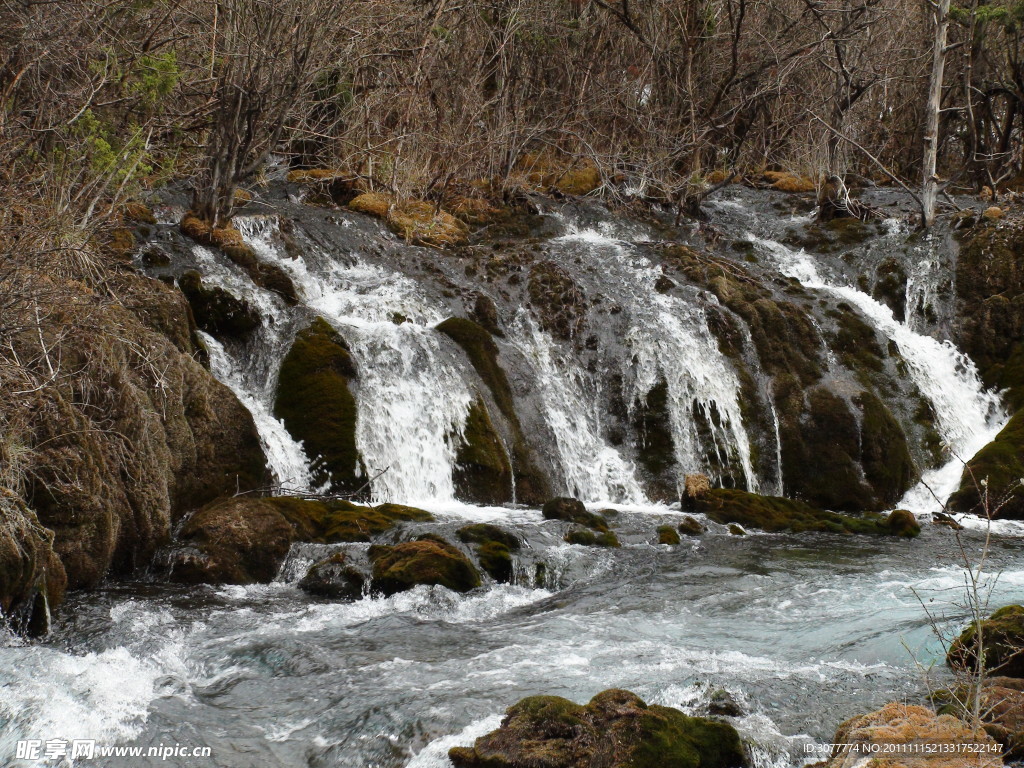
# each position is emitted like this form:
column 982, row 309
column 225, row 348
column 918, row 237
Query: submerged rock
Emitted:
column 691, row 526
column 317, row 407
column 589, row 538
column 429, row 560
column 724, row 704
column 1002, row 640
column 615, row 730
column 333, row 577
column 668, row 535
column 572, row 511
column 898, row 724
column 774, row 513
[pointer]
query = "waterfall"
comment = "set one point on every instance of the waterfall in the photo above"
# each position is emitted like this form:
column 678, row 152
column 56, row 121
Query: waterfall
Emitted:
column 412, row 395
column 967, row 415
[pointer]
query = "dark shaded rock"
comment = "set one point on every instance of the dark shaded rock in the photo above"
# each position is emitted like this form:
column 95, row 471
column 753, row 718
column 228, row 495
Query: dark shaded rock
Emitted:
column 560, row 304
column 1002, row 640
column 615, row 730
column 485, row 313
column 572, row 510
column 903, row 523
column 332, row 577
column 655, row 446
column 773, row 513
column 891, row 287
column 691, row 526
column 494, row 548
column 723, row 704
column 736, row 530
column 995, row 472
column 429, row 560
column 317, row 407
column 217, row 311
column 482, row 471
column 531, row 485
column 668, row 535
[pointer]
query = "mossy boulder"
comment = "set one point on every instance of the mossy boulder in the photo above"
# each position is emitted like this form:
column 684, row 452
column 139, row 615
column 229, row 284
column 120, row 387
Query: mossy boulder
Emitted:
column 32, row 577
column 245, row 540
column 560, row 304
column 317, row 407
column 530, row 484
column 616, row 729
column 216, row 310
column 572, row 511
column 774, row 513
column 482, row 470
column 494, row 548
column 429, row 560
column 691, row 526
column 589, row 538
column 993, row 480
column 1001, row 640
column 1002, row 711
column 890, row 287
column 333, row 577
column 667, row 534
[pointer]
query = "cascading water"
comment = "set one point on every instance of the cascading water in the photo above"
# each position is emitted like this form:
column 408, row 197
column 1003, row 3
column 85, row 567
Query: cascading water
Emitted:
column 967, row 415
column 412, row 397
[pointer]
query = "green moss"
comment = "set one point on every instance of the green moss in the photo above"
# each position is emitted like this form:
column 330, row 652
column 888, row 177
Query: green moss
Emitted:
column 572, row 510
column 481, row 533
column 668, row 535
column 217, row 311
column 691, row 526
column 655, row 447
column 314, row 401
column 428, row 561
column 331, row 522
column 773, row 514
column 479, row 346
column 589, row 538
column 856, row 341
column 997, row 469
column 482, row 471
column 891, row 287
column 884, row 452
column 494, row 548
column 670, row 738
column 1002, row 644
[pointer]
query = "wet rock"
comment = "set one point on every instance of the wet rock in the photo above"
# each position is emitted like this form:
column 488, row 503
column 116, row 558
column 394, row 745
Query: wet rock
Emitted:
column 722, row 704
column 560, row 304
column 1002, row 638
column 655, row 446
column 588, row 538
column 993, row 480
column 736, row 530
column 1002, row 711
column 572, row 511
column 317, row 407
column 485, row 313
column 904, row 724
column 615, row 730
column 494, row 548
column 32, row 577
column 429, row 560
column 477, row 343
column 903, row 523
column 668, row 535
column 217, row 311
column 482, row 471
column 774, row 513
column 333, row 577
column 691, row 526
column 694, row 486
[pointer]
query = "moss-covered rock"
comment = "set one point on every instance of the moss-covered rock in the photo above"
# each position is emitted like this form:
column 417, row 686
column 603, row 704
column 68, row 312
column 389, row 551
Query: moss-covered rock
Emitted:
column 667, row 534
column 560, row 304
column 773, row 513
column 572, row 511
column 691, row 526
column 993, row 480
column 890, row 287
column 245, row 539
column 217, row 311
column 531, row 486
column 333, row 577
column 1001, row 640
column 589, row 538
column 32, row 577
column 418, row 221
column 494, row 548
column 482, row 471
column 1002, row 711
column 615, row 730
column 317, row 407
column 429, row 560
column 655, row 445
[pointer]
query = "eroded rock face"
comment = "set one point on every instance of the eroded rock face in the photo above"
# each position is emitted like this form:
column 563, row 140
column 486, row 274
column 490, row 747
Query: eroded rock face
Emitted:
column 903, row 724
column 615, row 730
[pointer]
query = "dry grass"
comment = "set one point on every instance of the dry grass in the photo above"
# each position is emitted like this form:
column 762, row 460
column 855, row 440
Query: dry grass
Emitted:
column 787, row 181
column 418, row 221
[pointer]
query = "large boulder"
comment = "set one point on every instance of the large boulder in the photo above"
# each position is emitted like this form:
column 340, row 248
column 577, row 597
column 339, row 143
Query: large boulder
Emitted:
column 318, row 408
column 615, row 730
column 901, row 734
column 991, row 484
column 1001, row 709
column 572, row 511
column 334, row 577
column 482, row 471
column 429, row 560
column 1001, row 640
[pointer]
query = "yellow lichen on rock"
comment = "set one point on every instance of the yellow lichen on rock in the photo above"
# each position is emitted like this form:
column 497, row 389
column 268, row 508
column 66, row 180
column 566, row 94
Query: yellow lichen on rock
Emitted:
column 372, row 203
column 571, row 176
column 418, row 221
column 787, row 181
column 908, row 736
column 993, row 212
column 313, row 174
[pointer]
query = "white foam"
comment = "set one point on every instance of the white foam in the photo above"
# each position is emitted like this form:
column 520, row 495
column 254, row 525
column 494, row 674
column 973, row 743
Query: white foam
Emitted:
column 435, row 754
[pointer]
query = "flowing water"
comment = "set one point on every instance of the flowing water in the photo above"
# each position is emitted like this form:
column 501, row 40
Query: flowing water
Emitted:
column 804, row 631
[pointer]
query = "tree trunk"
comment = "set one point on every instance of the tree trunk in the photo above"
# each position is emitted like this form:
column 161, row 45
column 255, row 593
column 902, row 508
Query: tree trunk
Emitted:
column 930, row 182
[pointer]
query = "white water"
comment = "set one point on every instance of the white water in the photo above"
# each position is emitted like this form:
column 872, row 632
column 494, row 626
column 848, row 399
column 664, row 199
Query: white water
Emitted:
column 411, row 394
column 967, row 415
